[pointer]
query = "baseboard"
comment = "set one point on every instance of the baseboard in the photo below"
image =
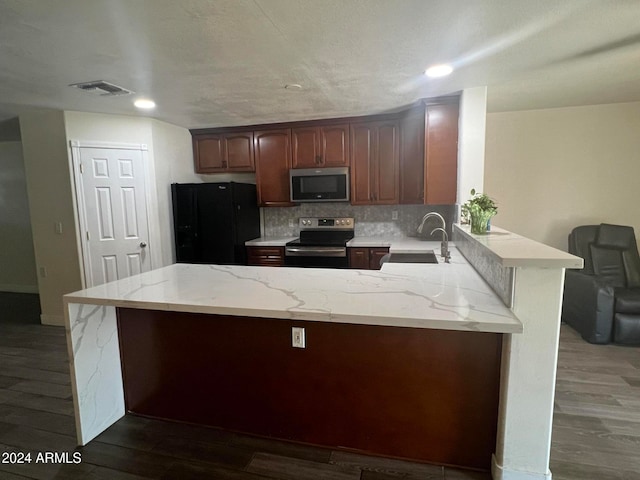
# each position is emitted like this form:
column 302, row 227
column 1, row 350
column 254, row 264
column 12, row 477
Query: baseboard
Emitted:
column 57, row 320
column 498, row 472
column 7, row 287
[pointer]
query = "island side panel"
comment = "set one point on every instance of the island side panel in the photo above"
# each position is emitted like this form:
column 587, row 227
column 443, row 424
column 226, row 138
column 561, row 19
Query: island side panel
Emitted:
column 96, row 373
column 429, row 395
column 530, row 361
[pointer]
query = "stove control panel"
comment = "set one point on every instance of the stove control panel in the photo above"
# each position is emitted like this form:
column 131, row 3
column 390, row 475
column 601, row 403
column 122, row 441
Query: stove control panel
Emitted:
column 328, row 223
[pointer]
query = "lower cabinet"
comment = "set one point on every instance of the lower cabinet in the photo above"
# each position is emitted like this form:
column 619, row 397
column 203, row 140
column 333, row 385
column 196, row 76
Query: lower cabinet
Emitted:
column 414, row 393
column 366, row 258
column 265, row 256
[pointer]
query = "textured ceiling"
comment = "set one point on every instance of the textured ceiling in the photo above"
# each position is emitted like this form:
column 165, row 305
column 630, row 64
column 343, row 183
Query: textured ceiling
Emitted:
column 225, row 62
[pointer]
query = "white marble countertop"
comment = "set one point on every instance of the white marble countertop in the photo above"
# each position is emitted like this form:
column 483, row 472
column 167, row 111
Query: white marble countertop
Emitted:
column 269, row 241
column 513, row 250
column 371, row 241
column 395, row 244
column 444, row 296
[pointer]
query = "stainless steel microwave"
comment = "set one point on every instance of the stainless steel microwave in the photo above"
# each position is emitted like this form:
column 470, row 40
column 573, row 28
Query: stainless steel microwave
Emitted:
column 319, row 184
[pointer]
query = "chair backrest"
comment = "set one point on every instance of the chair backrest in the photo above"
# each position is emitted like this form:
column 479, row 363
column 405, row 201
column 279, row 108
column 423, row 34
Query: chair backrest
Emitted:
column 609, row 251
column 580, row 241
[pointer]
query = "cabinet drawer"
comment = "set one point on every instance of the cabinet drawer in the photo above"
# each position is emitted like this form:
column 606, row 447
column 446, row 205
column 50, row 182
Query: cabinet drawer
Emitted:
column 265, row 256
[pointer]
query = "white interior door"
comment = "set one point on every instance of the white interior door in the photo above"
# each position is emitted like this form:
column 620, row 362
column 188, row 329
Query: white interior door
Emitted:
column 116, row 239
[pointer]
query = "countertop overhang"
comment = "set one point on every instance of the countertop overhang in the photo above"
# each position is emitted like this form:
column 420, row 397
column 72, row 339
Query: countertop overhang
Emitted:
column 443, row 296
column 508, row 248
column 513, row 250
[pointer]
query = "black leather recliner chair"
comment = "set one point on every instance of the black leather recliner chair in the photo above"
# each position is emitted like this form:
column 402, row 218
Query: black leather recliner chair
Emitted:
column 602, row 301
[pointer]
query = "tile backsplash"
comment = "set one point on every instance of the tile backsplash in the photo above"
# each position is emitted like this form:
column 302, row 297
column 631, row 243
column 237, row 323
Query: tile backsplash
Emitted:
column 374, row 220
column 500, row 279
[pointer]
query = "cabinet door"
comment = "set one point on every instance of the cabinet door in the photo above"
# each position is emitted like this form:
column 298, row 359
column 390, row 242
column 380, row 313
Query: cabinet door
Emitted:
column 305, row 143
column 412, row 158
column 441, row 171
column 334, row 145
column 208, row 153
column 387, row 163
column 375, row 255
column 362, row 161
column 359, row 258
column 265, row 256
column 273, row 160
column 239, row 152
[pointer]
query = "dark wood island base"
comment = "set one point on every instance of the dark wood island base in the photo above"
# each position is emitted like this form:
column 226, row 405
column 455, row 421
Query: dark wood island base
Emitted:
column 419, row 394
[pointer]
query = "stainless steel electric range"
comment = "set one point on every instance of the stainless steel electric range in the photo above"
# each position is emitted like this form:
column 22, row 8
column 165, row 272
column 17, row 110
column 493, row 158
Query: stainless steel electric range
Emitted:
column 322, row 243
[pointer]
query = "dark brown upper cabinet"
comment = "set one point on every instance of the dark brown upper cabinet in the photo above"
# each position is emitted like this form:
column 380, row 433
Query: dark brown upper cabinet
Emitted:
column 273, row 161
column 407, row 157
column 225, row 152
column 320, row 146
column 429, row 161
column 412, row 158
column 375, row 156
column 441, row 154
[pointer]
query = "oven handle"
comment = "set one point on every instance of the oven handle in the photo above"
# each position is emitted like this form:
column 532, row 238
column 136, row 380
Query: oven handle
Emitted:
column 315, row 252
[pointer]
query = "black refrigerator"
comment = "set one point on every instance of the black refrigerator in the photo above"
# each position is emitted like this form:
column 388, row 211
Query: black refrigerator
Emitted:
column 211, row 221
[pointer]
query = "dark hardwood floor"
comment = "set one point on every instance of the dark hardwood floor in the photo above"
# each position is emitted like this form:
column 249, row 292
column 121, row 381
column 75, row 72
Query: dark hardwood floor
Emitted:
column 596, row 425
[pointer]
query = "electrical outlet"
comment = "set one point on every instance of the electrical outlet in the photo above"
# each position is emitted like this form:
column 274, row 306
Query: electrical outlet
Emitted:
column 394, row 215
column 297, row 337
column 59, row 228
column 43, row 272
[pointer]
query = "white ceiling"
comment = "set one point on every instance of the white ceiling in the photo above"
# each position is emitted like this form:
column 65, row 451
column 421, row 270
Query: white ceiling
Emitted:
column 225, row 62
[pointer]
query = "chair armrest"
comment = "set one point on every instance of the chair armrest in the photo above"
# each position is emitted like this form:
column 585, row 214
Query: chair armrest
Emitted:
column 588, row 306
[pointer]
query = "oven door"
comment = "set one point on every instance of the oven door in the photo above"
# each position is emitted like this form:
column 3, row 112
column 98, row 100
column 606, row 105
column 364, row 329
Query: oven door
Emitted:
column 316, row 256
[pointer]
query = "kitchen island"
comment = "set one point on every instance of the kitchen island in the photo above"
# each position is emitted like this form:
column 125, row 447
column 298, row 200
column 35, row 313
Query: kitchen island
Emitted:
column 440, row 326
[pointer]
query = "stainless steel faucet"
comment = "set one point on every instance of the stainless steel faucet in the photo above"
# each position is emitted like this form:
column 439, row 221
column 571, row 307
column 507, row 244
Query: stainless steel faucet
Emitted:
column 444, row 245
column 429, row 215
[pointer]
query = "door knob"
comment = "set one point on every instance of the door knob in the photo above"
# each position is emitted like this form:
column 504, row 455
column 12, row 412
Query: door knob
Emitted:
column 143, row 244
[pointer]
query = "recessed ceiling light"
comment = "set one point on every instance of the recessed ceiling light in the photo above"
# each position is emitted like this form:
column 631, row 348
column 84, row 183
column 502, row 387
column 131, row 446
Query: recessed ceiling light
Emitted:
column 145, row 104
column 436, row 71
column 293, row 86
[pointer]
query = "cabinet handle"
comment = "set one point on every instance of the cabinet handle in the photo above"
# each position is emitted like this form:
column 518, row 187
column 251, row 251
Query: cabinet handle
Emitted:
column 318, row 159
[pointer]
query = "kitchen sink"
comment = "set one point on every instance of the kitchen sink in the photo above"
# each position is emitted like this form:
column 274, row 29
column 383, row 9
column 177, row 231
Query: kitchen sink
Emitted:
column 426, row 257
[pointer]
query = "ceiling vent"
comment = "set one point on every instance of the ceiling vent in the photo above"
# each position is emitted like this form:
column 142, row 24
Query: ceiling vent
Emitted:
column 102, row 88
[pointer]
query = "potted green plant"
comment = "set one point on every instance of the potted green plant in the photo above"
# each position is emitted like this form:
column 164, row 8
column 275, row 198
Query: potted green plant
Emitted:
column 478, row 210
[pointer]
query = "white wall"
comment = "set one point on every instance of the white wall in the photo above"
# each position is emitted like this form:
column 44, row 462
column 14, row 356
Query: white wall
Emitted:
column 471, row 141
column 18, row 271
column 47, row 160
column 50, row 201
column 551, row 170
column 173, row 154
column 174, row 164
